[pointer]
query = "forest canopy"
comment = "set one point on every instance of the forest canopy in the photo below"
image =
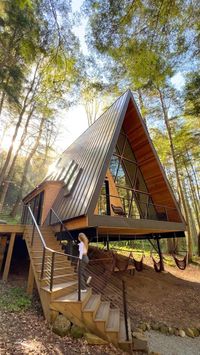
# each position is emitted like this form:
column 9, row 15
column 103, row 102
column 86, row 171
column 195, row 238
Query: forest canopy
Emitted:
column 143, row 45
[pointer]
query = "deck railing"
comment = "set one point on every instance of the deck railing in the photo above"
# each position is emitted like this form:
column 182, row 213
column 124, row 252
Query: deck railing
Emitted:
column 50, row 256
column 134, row 209
column 60, row 222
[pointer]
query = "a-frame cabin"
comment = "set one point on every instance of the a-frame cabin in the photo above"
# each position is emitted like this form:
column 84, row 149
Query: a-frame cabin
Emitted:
column 111, row 178
column 109, row 184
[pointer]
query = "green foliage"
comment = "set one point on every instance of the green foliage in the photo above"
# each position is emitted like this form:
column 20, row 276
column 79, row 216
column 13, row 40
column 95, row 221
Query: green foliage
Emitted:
column 146, row 39
column 192, row 96
column 14, row 299
column 18, row 45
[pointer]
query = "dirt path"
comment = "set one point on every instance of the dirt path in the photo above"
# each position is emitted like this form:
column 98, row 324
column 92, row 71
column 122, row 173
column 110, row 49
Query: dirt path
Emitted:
column 172, row 345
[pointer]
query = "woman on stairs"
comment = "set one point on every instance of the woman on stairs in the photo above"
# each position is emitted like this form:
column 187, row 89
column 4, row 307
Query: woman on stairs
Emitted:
column 83, row 250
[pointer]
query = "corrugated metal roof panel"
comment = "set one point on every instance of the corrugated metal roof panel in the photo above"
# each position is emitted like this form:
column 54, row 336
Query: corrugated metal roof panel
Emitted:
column 91, row 152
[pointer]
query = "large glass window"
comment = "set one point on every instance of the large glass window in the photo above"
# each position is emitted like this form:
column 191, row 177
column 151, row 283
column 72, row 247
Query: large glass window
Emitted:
column 114, row 163
column 128, row 153
column 130, row 184
column 120, row 143
column 122, row 178
column 132, row 197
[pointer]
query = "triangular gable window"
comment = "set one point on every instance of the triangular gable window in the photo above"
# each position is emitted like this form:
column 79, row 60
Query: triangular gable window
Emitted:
column 129, row 195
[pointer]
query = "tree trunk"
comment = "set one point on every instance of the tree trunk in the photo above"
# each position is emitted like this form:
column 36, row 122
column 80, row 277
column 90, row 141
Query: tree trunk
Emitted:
column 194, row 175
column 25, row 104
column 194, row 198
column 10, row 174
column 165, row 115
column 198, row 244
column 26, row 168
column 141, row 104
column 2, row 101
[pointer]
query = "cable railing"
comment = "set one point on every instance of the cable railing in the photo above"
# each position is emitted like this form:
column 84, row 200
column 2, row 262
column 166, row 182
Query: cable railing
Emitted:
column 134, row 208
column 62, row 225
column 101, row 267
column 52, row 259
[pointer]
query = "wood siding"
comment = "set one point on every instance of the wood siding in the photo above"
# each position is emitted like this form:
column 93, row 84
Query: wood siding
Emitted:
column 149, row 163
column 51, row 190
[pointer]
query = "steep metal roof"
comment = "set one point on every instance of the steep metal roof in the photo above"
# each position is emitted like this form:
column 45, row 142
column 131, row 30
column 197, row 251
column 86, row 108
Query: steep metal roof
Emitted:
column 83, row 165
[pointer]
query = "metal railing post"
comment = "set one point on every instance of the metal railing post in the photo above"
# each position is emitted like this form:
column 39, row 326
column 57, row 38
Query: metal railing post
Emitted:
column 79, row 279
column 125, row 309
column 33, row 232
column 166, row 214
column 52, row 270
column 50, row 216
column 43, row 262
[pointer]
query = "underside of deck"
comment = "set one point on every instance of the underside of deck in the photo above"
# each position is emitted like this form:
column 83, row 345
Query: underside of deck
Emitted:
column 123, row 225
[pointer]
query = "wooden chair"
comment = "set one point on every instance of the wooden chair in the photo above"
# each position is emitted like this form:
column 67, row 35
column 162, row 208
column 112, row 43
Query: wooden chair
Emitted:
column 118, row 210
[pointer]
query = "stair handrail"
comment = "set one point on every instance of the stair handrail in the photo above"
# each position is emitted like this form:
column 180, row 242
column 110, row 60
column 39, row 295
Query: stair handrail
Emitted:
column 41, row 236
column 62, row 225
column 46, row 248
column 125, row 309
column 37, row 227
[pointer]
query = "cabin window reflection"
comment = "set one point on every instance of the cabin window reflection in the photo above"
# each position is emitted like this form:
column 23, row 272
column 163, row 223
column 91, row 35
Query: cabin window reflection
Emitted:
column 132, row 195
column 114, row 163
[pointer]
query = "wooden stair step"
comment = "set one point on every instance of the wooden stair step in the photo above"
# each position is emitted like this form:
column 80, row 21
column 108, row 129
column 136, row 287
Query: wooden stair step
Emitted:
column 103, row 311
column 113, row 321
column 55, row 263
column 92, row 303
column 122, row 331
column 57, row 269
column 60, row 258
column 59, row 276
column 73, row 297
column 59, row 287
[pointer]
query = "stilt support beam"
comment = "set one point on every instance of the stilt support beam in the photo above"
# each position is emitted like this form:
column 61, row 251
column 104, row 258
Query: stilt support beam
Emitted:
column 107, row 242
column 160, row 255
column 30, row 283
column 9, row 257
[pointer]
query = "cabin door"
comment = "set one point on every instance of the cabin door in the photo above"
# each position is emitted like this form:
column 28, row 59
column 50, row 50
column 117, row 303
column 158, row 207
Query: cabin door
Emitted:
column 38, row 204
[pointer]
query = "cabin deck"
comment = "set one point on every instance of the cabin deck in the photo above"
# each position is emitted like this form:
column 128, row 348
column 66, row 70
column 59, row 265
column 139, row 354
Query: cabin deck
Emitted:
column 11, row 228
column 127, row 226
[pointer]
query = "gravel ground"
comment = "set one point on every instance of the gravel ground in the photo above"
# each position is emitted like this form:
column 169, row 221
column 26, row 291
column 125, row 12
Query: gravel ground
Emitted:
column 172, row 345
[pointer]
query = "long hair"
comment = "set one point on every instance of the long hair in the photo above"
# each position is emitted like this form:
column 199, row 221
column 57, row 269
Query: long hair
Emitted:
column 82, row 237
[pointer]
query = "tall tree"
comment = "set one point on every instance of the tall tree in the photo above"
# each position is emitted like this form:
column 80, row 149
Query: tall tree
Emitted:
column 18, row 46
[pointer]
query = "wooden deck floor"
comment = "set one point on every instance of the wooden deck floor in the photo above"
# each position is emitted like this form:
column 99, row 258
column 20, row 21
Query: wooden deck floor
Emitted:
column 11, row 228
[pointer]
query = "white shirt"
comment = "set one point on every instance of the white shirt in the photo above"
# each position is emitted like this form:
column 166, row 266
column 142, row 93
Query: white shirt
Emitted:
column 82, row 250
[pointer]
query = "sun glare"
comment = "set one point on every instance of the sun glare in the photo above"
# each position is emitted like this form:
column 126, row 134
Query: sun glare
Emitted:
column 6, row 143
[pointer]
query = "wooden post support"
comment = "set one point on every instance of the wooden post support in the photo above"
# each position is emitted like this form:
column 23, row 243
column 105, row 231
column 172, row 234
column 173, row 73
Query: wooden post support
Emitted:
column 160, row 255
column 107, row 243
column 30, row 283
column 9, row 256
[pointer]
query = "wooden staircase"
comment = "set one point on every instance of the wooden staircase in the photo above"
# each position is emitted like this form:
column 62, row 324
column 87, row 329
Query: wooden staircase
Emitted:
column 91, row 312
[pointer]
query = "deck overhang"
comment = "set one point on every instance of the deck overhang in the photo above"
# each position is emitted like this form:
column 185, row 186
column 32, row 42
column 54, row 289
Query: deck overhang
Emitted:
column 127, row 226
column 12, row 228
